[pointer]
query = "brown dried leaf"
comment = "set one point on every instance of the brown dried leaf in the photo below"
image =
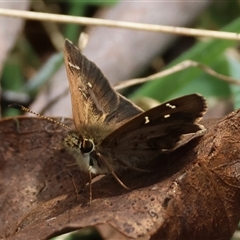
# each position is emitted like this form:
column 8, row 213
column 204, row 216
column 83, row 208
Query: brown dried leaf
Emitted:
column 33, row 170
column 193, row 194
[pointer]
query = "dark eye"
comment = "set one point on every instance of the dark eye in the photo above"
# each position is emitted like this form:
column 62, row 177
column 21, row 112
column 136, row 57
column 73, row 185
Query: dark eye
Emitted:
column 86, row 146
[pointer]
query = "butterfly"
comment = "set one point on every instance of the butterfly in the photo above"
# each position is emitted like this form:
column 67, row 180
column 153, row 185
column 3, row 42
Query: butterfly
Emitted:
column 112, row 133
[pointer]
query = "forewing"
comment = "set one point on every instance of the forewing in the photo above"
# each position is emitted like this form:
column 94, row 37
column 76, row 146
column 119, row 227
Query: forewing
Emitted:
column 94, row 101
column 159, row 128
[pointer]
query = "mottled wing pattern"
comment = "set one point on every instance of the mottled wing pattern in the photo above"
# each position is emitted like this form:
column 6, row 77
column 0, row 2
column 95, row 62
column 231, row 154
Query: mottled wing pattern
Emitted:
column 94, row 101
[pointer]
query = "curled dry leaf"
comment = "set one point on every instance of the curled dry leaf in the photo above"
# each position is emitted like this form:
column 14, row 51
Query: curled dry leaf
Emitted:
column 193, row 194
column 33, row 171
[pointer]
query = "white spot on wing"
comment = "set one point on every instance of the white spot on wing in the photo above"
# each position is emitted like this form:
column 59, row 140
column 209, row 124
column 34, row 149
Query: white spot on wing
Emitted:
column 147, row 120
column 89, row 84
column 167, row 116
column 73, row 66
column 170, row 106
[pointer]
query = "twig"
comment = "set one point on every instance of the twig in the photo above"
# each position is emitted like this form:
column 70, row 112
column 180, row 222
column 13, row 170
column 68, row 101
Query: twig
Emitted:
column 119, row 24
column 179, row 67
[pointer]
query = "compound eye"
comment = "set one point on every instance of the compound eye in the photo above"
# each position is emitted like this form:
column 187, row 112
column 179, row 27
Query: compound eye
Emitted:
column 86, row 146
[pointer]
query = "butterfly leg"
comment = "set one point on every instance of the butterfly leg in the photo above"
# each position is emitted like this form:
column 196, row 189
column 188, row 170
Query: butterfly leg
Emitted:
column 118, row 179
column 90, row 185
column 73, row 182
column 110, row 169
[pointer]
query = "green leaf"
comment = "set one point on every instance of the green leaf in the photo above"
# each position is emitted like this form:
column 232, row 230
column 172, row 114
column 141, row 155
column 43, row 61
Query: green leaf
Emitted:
column 44, row 74
column 234, row 66
column 204, row 52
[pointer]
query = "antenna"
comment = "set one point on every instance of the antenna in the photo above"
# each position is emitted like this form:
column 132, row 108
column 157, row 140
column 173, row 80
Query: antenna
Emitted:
column 25, row 109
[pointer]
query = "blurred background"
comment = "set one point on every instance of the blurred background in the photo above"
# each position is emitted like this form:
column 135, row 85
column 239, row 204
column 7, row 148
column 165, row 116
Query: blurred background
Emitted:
column 31, row 61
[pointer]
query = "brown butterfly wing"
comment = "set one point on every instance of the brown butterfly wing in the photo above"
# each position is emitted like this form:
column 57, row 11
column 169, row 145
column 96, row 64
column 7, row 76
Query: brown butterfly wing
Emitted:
column 94, row 101
column 158, row 129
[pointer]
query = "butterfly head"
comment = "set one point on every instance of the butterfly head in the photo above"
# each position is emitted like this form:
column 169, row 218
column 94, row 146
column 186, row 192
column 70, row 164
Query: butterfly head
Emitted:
column 84, row 150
